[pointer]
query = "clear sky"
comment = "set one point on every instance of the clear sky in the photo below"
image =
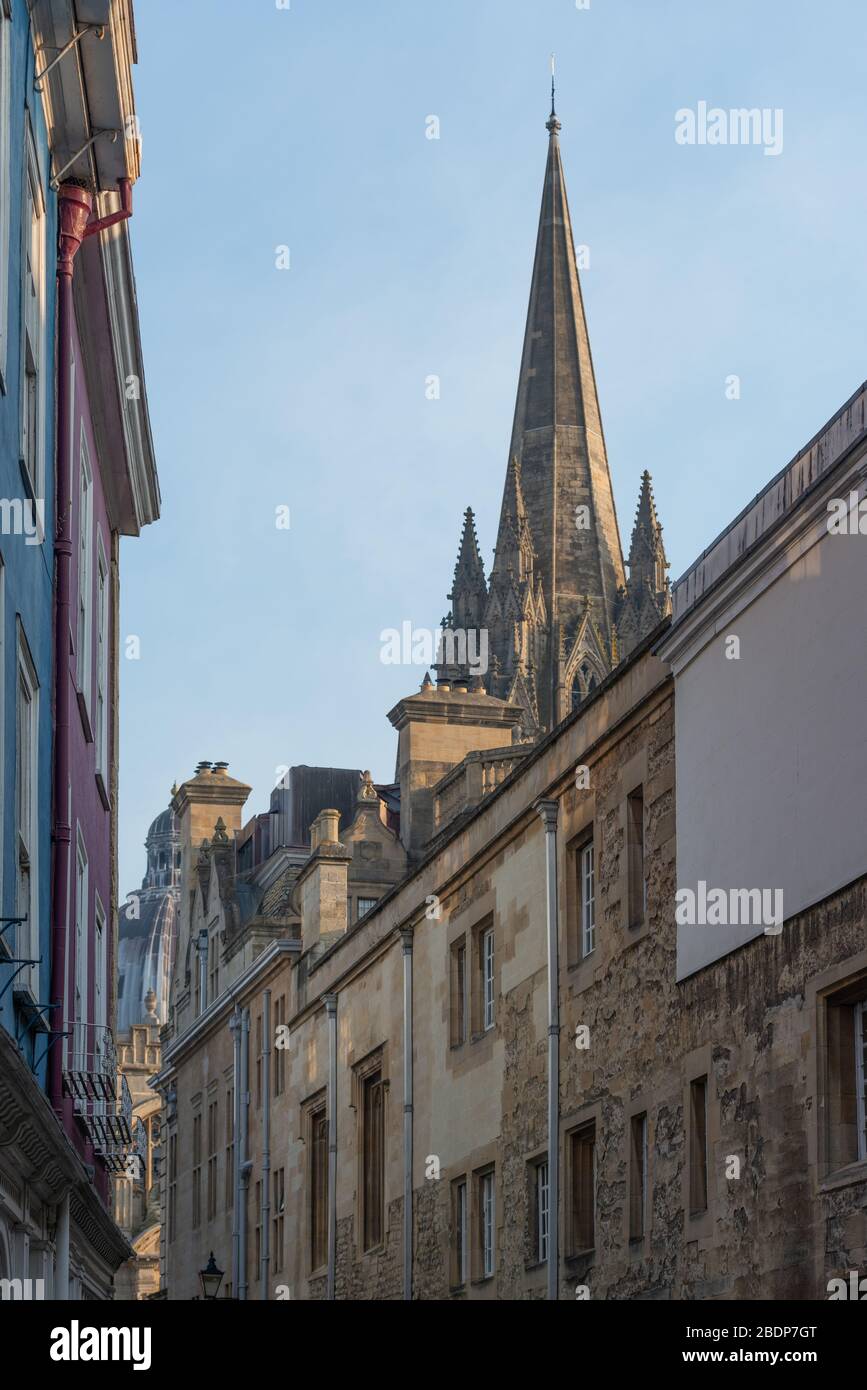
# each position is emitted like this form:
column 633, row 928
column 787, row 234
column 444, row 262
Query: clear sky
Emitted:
column 304, row 388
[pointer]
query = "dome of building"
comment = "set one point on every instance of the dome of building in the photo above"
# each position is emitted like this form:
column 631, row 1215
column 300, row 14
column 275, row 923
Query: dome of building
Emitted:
column 148, row 928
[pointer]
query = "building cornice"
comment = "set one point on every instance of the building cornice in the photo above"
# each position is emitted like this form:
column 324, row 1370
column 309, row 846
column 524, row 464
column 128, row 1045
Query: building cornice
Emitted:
column 173, row 1053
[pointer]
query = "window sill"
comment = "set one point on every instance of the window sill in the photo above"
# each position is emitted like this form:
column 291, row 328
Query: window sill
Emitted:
column 581, row 1255
column 485, row 1279
column 845, row 1177
column 532, row 1266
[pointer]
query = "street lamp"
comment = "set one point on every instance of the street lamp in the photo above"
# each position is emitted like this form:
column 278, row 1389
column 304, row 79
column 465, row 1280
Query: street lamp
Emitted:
column 211, row 1278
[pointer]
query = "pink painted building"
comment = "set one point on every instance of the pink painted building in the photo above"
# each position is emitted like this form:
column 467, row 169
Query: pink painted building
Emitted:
column 107, row 487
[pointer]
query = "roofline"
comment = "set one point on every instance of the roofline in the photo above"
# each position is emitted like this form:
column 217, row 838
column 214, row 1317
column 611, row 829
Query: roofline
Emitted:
column 772, row 483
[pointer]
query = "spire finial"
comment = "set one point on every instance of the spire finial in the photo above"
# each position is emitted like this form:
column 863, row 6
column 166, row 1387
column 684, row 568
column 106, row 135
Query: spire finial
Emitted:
column 552, row 124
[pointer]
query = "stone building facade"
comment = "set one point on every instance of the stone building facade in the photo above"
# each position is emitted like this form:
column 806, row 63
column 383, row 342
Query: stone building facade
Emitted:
column 525, row 1072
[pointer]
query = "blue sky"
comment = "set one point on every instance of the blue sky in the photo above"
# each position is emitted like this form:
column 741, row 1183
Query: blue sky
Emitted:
column 305, row 127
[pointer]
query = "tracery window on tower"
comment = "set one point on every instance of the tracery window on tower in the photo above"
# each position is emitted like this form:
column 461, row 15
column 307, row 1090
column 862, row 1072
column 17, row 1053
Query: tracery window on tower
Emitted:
column 584, row 684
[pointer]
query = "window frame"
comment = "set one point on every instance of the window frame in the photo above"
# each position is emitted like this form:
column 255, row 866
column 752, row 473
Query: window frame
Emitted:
column 278, row 1219
column 196, row 1220
column 212, row 1168
column 460, row 1232
column 5, row 183
column 459, row 1002
column 101, row 697
column 100, row 971
column 84, row 617
column 317, row 1184
column 699, row 1160
column 372, row 1138
column 486, row 1216
column 229, row 1186
column 33, row 452
column 638, row 1175
column 487, row 961
column 636, row 855
column 582, row 1214
column 541, row 1210
column 26, row 850
column 80, row 998
column 860, row 1028
column 172, row 1205
column 586, row 856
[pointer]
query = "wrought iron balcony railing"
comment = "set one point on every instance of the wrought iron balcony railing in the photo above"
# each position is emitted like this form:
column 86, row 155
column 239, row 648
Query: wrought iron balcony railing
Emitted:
column 101, row 1097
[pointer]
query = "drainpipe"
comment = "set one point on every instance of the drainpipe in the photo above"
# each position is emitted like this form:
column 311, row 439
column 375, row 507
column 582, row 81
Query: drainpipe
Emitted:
column 245, row 1163
column 203, row 969
column 61, row 1257
column 265, row 1262
column 548, row 810
column 330, row 1001
column 74, row 209
column 406, row 939
column 235, row 1030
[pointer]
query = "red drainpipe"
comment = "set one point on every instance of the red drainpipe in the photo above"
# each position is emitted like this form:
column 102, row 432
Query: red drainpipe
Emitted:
column 75, row 207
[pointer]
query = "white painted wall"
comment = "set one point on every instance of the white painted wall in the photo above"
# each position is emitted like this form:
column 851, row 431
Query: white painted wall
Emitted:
column 772, row 748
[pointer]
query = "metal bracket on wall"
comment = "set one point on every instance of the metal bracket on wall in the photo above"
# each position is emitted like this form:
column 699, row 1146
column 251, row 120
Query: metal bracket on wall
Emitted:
column 98, row 29
column 22, row 965
column 58, row 178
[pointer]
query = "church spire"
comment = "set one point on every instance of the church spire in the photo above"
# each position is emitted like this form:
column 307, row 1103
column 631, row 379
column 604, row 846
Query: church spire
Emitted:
column 558, row 440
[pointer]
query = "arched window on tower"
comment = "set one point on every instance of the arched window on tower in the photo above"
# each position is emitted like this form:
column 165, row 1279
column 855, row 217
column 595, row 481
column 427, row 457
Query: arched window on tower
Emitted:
column 584, row 684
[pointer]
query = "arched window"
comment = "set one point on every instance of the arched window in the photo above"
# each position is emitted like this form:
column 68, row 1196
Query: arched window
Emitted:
column 585, row 682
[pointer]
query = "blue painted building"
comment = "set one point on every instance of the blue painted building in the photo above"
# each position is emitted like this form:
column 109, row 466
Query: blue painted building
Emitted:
column 28, row 241
column 76, row 473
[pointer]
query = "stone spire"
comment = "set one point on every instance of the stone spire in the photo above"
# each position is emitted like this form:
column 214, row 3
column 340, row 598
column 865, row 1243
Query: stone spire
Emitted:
column 469, row 591
column 558, row 441
column 559, row 614
column 647, row 562
column 647, row 599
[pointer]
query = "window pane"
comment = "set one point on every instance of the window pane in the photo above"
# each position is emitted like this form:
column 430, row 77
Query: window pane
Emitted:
column 698, row 1145
column 584, row 1189
column 488, row 977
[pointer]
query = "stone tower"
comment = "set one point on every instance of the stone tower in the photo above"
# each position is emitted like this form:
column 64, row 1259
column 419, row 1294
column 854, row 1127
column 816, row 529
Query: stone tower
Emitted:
column 558, row 608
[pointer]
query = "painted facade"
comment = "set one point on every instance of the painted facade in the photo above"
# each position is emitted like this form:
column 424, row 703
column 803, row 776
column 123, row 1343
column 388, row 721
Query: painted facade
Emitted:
column 74, row 439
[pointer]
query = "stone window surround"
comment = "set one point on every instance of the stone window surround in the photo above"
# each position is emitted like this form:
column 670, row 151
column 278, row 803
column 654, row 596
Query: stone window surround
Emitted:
column 582, row 971
column 533, row 1161
column 695, row 1065
column 310, row 1109
column 570, row 1124
column 475, row 1216
column 374, row 1061
column 581, row 968
column 470, row 922
column 471, row 1167
column 819, row 990
column 638, row 1247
